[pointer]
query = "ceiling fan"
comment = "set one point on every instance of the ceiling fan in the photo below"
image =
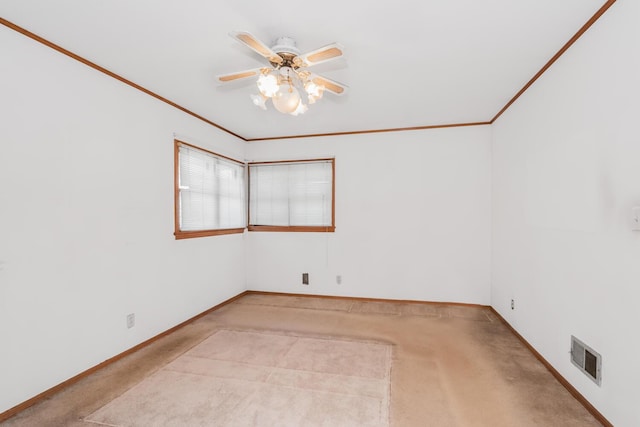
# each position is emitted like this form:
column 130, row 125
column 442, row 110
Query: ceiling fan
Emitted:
column 287, row 76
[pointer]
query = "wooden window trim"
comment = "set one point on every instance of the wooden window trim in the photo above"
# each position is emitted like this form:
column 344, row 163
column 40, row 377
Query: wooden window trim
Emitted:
column 295, row 229
column 179, row 234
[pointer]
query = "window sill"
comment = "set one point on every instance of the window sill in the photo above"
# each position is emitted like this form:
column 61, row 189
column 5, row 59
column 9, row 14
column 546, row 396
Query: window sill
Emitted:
column 299, row 229
column 205, row 233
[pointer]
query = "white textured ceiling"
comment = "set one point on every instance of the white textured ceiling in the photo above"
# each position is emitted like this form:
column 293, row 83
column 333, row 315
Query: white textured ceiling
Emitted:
column 408, row 63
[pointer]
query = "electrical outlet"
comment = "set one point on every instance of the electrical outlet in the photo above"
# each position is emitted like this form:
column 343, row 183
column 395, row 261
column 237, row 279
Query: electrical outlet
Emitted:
column 338, row 279
column 513, row 304
column 131, row 320
column 305, row 278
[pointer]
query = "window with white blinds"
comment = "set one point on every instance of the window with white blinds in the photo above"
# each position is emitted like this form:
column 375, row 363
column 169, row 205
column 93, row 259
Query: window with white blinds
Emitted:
column 292, row 196
column 210, row 193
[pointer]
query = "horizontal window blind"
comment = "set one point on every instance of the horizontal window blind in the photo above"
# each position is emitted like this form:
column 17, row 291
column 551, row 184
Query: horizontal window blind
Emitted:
column 211, row 191
column 291, row 194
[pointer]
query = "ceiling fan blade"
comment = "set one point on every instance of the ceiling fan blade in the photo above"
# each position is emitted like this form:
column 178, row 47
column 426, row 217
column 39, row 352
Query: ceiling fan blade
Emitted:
column 318, row 56
column 330, row 85
column 238, row 75
column 256, row 45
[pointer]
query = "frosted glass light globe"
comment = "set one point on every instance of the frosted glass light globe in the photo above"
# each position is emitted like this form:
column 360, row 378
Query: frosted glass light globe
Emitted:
column 268, row 85
column 301, row 109
column 286, row 100
column 259, row 100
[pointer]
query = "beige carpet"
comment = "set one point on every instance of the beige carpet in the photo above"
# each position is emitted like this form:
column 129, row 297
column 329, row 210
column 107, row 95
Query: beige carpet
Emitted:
column 453, row 366
column 247, row 378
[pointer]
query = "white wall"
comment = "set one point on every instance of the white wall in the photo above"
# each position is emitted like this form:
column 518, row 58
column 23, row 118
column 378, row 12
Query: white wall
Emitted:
column 412, row 219
column 86, row 220
column 566, row 173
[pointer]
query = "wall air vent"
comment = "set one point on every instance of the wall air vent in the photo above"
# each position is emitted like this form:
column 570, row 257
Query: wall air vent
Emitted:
column 586, row 359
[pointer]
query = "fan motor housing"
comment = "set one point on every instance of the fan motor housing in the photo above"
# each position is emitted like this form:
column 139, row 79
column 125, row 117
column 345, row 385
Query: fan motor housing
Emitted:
column 285, row 45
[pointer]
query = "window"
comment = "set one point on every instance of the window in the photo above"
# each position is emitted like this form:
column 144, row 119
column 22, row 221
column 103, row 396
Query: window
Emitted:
column 292, row 196
column 209, row 193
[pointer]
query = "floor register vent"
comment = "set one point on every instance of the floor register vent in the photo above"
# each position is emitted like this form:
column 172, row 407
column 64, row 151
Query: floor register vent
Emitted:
column 586, row 359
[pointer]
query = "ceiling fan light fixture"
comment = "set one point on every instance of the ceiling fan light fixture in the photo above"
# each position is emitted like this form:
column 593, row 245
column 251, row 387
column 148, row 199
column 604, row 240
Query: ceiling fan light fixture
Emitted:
column 268, row 85
column 314, row 91
column 259, row 100
column 287, row 77
column 301, row 109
